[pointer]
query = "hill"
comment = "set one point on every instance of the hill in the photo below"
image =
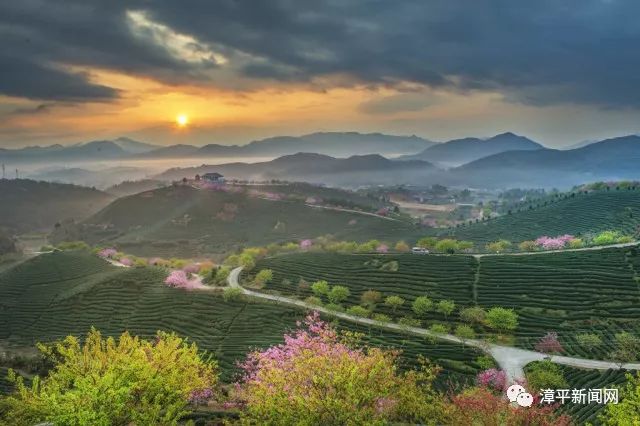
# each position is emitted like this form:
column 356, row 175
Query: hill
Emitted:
column 130, row 187
column 352, row 171
column 90, row 151
column 87, row 151
column 33, row 206
column 609, row 160
column 460, row 151
column 572, row 213
column 182, row 220
column 100, row 178
column 67, row 293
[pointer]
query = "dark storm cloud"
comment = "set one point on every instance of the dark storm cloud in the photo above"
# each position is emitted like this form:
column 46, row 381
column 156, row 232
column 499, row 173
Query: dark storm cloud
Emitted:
column 537, row 52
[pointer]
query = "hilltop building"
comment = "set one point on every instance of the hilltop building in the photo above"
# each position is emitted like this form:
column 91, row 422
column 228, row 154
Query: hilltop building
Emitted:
column 213, row 177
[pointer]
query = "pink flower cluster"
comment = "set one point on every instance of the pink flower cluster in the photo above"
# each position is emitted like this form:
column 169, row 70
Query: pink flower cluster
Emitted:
column 549, row 344
column 200, row 396
column 180, row 279
column 382, row 248
column 306, row 244
column 492, row 378
column 554, row 243
column 317, row 338
column 108, row 253
column 126, row 261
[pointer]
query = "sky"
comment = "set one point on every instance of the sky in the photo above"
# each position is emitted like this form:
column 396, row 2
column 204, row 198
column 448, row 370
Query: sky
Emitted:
column 560, row 72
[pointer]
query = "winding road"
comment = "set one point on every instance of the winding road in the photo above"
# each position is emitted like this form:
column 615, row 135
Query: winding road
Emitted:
column 511, row 360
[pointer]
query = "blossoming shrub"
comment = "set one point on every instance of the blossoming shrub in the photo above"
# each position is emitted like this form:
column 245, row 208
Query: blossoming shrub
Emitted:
column 317, row 377
column 113, row 382
column 492, row 378
column 481, row 406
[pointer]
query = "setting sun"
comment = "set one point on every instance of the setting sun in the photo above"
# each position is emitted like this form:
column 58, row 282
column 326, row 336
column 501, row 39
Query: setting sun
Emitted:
column 182, row 120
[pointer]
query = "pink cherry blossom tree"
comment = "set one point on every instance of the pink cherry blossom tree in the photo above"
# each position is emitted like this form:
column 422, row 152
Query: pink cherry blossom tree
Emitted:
column 549, row 344
column 492, row 378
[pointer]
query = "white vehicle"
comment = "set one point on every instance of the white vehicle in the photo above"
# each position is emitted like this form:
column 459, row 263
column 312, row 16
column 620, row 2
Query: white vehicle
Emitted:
column 419, row 250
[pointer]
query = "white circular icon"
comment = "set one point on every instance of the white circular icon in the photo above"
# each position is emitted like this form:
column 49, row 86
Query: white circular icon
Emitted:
column 524, row 399
column 514, row 391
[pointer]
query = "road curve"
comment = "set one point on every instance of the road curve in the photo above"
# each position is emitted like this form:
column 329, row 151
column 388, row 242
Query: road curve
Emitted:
column 511, row 360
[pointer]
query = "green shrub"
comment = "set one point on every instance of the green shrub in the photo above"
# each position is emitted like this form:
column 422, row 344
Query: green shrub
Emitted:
column 320, row 288
column 545, row 375
column 464, row 332
column 409, row 321
column 381, row 318
column 589, row 340
column 232, row 294
column 422, row 306
column 473, row 315
column 439, row 328
column 502, row 319
column 358, row 311
column 338, row 294
column 313, row 300
column 335, row 307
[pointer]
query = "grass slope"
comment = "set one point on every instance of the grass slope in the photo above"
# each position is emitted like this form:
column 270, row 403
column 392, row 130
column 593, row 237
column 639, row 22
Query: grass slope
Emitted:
column 58, row 294
column 570, row 293
column 29, row 205
column 578, row 214
column 188, row 222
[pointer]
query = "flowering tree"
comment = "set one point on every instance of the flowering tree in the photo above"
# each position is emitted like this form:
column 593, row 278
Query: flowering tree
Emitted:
column 179, row 279
column 306, row 244
column 113, row 381
column 126, row 261
column 108, row 253
column 492, row 378
column 317, row 377
column 382, row 248
column 554, row 243
column 549, row 344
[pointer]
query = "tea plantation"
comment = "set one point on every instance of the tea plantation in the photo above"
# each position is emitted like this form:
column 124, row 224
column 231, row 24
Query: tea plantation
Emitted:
column 58, row 294
column 577, row 214
column 569, row 293
column 184, row 222
column 578, row 378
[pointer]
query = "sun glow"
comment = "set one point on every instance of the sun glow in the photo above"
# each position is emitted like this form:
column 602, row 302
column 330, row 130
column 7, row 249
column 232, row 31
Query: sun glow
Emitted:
column 182, row 120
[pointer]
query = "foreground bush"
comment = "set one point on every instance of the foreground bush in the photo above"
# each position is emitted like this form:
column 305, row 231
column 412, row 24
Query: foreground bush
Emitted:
column 319, row 378
column 112, row 382
column 482, row 407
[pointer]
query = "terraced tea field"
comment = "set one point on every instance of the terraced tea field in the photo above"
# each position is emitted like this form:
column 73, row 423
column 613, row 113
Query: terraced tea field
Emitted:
column 184, row 222
column 66, row 293
column 441, row 277
column 580, row 214
column 570, row 293
column 589, row 379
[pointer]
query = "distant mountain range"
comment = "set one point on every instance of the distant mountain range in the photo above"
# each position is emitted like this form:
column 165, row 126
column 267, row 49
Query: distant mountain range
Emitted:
column 310, row 167
column 505, row 160
column 461, row 151
column 337, row 144
column 611, row 159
